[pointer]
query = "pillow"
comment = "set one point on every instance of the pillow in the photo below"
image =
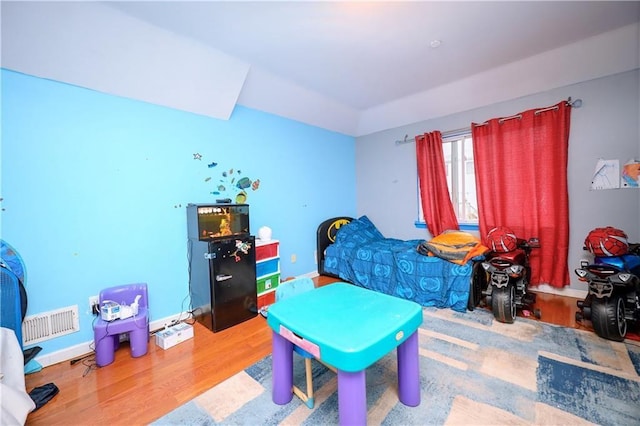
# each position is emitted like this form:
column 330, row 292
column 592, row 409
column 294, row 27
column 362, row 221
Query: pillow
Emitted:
column 361, row 229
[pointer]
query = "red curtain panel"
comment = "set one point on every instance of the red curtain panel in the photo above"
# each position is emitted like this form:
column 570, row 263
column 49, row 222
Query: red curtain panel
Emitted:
column 521, row 181
column 436, row 202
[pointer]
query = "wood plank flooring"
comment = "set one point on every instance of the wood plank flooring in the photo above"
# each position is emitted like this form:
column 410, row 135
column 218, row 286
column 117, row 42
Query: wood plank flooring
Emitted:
column 135, row 391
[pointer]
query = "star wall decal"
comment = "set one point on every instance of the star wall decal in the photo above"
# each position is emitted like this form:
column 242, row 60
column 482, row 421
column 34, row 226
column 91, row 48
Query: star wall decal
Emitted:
column 197, row 156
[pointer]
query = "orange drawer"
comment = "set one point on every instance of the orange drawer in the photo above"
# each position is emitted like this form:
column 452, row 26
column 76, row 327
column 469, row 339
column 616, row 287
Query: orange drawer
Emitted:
column 265, row 251
column 266, row 299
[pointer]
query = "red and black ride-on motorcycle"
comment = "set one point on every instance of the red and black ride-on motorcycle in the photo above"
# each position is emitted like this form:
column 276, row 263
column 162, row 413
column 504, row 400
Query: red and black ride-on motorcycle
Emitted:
column 503, row 277
column 613, row 299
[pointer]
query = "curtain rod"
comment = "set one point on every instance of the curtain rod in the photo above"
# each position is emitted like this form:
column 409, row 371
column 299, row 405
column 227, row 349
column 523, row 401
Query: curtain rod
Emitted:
column 450, row 133
column 447, row 134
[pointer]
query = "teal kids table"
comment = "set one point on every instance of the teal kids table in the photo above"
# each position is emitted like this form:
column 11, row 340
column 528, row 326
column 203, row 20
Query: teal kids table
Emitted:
column 349, row 328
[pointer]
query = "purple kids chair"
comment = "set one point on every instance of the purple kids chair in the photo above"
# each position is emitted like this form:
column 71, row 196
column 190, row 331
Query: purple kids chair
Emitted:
column 106, row 334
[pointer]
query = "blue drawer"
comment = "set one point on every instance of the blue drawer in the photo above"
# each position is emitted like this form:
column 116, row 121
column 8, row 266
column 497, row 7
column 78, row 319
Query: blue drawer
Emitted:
column 267, row 267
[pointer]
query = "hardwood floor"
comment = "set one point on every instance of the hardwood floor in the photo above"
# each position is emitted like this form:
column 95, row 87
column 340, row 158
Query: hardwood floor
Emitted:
column 135, row 391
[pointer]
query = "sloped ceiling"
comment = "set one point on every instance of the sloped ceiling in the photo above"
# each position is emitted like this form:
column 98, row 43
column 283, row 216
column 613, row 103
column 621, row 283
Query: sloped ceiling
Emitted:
column 351, row 67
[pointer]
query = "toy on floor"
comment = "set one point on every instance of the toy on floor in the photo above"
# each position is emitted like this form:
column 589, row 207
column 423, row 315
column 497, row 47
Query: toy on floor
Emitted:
column 505, row 274
column 613, row 301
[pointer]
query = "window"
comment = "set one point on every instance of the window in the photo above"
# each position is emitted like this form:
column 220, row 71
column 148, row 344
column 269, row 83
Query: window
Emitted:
column 461, row 179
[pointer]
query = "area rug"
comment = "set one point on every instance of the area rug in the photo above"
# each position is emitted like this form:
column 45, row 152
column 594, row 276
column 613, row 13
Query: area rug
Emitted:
column 474, row 371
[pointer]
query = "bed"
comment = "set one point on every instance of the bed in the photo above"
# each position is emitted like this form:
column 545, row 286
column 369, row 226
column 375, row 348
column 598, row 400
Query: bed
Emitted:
column 355, row 251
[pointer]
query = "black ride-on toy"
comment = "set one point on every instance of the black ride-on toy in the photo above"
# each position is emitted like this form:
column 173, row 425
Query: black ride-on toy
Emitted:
column 502, row 279
column 613, row 299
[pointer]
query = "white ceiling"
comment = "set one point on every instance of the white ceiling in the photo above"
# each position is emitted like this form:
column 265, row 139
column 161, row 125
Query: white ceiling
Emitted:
column 352, row 67
column 364, row 54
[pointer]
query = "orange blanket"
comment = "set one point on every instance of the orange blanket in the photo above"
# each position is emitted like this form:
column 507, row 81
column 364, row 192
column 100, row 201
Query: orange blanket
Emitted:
column 455, row 246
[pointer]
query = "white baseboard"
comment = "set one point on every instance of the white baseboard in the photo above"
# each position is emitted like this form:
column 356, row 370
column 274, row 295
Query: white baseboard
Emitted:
column 79, row 350
column 566, row 291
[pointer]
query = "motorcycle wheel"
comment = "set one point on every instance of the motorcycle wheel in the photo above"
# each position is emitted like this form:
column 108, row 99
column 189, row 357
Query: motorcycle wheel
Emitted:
column 503, row 304
column 607, row 318
column 477, row 285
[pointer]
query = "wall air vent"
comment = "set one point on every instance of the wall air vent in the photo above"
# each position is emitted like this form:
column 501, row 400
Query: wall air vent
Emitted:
column 47, row 325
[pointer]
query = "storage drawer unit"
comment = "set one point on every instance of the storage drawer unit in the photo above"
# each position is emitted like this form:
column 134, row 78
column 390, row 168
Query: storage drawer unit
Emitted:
column 266, row 299
column 267, row 271
column 267, row 267
column 266, row 250
column 268, row 282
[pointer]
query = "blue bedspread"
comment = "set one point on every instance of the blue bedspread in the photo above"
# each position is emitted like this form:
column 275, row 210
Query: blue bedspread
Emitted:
column 361, row 255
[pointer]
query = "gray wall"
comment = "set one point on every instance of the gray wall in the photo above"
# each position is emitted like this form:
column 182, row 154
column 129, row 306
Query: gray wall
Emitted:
column 606, row 126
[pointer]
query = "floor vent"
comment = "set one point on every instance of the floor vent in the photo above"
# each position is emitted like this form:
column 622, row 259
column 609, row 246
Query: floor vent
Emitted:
column 45, row 326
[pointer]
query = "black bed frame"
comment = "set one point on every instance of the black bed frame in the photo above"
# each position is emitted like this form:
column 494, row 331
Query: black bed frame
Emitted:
column 325, row 236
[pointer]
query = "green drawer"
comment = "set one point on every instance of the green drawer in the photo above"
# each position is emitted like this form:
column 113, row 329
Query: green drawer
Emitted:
column 269, row 282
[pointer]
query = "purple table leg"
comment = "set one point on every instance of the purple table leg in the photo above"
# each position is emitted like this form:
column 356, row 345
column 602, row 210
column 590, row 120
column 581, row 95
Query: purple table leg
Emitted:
column 409, row 372
column 282, row 369
column 352, row 398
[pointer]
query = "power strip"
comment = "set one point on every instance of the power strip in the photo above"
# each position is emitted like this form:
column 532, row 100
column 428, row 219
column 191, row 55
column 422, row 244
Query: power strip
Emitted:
column 173, row 335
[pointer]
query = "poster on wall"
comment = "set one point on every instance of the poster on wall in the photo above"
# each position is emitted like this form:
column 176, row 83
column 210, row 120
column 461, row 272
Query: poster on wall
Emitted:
column 630, row 176
column 606, row 175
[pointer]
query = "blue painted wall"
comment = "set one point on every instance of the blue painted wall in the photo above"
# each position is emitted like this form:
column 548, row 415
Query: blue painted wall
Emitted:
column 95, row 187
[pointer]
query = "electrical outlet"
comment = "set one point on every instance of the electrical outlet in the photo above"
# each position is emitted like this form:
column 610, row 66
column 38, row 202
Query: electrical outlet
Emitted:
column 93, row 305
column 294, row 258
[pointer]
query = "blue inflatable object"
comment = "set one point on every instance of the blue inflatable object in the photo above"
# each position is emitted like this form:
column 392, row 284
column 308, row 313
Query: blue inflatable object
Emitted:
column 11, row 260
column 13, row 296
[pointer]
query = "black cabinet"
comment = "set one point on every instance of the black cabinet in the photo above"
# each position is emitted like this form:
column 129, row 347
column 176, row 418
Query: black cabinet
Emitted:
column 223, row 281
